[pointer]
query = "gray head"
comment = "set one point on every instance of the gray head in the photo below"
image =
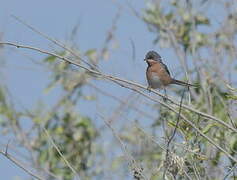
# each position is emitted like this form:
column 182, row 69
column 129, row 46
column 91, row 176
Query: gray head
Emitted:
column 153, row 55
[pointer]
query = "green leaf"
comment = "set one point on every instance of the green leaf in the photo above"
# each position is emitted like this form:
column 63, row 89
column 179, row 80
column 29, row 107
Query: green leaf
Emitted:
column 208, row 127
column 90, row 52
column 89, row 98
column 201, row 20
column 92, row 55
column 231, row 96
column 50, row 59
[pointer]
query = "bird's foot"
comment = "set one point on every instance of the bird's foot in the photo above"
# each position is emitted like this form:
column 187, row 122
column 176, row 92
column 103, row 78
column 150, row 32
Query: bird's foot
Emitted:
column 149, row 88
column 165, row 97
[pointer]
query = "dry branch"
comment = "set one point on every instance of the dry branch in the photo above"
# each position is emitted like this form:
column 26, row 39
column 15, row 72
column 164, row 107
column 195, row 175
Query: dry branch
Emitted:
column 131, row 85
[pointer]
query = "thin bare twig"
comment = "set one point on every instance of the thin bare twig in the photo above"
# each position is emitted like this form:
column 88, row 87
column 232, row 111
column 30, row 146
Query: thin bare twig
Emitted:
column 60, row 153
column 54, row 41
column 153, row 139
column 230, row 171
column 22, row 155
column 167, row 159
column 20, row 164
column 177, row 122
column 195, row 170
column 133, row 50
column 134, row 165
column 141, row 112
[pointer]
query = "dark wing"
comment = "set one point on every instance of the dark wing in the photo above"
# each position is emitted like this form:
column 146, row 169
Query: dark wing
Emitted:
column 166, row 68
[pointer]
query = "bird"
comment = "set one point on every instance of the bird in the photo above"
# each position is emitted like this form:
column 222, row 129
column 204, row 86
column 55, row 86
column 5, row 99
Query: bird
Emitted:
column 157, row 73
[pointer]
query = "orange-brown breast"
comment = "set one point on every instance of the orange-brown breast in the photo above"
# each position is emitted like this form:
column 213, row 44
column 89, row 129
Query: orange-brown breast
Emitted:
column 157, row 71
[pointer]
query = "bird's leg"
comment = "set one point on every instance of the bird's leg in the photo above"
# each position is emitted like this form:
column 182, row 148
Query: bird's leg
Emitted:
column 165, row 98
column 149, row 88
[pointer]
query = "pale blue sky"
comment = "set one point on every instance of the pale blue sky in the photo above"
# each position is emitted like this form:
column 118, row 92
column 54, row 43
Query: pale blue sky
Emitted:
column 56, row 18
column 26, row 81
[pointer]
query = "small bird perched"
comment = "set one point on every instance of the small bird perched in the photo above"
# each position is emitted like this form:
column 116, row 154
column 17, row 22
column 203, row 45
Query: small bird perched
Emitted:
column 157, row 73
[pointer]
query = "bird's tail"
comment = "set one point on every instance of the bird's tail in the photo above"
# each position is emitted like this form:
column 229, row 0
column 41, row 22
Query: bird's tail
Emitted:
column 174, row 81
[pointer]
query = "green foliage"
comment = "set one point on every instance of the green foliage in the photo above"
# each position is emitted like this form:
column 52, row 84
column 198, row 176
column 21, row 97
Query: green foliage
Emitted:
column 74, row 136
column 92, row 56
column 8, row 114
column 178, row 26
column 72, row 132
column 232, row 95
column 176, row 22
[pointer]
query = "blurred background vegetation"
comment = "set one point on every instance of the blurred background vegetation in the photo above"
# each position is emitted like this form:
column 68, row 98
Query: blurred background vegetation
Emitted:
column 61, row 142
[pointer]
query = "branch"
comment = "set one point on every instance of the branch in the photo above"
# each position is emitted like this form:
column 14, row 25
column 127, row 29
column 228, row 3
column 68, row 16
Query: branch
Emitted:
column 116, row 79
column 60, row 153
column 54, row 41
column 183, row 117
column 230, row 171
column 134, row 165
column 167, row 160
column 127, row 84
column 19, row 164
column 105, row 93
